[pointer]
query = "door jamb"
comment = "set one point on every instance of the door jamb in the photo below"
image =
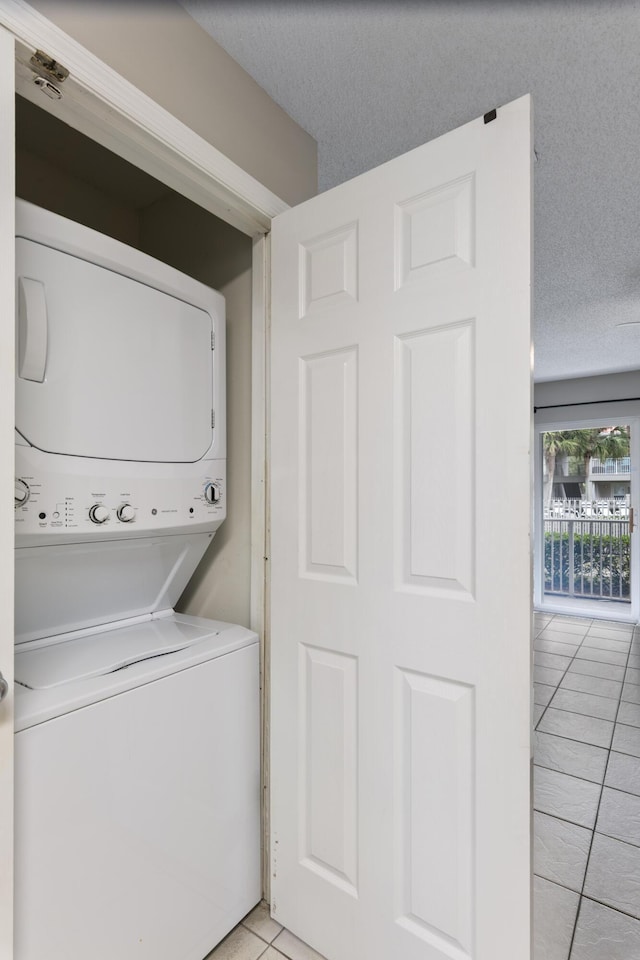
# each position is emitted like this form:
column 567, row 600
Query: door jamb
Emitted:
column 7, row 427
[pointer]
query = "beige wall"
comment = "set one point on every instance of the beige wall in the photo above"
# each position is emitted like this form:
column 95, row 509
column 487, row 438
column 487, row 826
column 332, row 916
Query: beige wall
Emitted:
column 55, row 189
column 181, row 233
column 160, row 49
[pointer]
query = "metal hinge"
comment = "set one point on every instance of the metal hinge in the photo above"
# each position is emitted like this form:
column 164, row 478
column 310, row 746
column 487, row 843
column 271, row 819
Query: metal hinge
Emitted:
column 47, row 67
column 50, row 89
column 213, row 419
column 47, row 70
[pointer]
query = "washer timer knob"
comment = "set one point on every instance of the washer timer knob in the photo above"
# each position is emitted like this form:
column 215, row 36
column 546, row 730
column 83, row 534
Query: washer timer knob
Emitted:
column 21, row 494
column 212, row 493
column 98, row 513
column 126, row 513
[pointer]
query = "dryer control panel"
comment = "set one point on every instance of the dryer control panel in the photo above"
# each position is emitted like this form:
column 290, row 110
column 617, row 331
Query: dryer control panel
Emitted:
column 51, row 506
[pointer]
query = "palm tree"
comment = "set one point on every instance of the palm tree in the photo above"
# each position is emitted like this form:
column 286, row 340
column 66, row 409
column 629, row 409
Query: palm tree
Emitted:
column 557, row 443
column 604, row 443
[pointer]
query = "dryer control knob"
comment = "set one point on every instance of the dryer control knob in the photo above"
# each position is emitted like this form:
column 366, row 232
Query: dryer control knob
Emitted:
column 126, row 513
column 21, row 494
column 212, row 493
column 98, row 513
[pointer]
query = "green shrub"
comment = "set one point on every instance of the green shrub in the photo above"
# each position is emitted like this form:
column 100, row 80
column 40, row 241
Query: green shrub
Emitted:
column 601, row 564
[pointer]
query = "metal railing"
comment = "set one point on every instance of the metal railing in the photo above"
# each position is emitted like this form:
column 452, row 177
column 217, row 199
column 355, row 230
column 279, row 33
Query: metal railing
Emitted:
column 611, row 467
column 616, row 508
column 587, row 554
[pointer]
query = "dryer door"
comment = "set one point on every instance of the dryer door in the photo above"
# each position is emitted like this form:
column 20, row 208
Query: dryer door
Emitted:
column 109, row 367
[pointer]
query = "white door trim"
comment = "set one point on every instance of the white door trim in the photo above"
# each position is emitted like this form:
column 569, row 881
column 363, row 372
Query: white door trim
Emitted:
column 259, row 615
column 102, row 104
column 7, row 422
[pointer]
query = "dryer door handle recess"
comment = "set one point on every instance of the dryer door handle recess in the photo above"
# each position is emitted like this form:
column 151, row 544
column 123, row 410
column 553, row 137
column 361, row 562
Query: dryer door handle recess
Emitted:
column 32, row 330
column 4, row 688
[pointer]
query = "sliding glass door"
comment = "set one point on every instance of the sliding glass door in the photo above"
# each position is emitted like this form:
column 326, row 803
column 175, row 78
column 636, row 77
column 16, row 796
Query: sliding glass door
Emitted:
column 586, row 489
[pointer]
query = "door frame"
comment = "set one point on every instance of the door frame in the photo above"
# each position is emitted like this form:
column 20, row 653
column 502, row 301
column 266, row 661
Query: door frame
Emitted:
column 100, row 103
column 578, row 418
column 7, row 427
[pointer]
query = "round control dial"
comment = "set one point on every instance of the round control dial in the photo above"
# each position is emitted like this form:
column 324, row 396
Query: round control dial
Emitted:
column 98, row 513
column 21, row 494
column 126, row 513
column 212, row 493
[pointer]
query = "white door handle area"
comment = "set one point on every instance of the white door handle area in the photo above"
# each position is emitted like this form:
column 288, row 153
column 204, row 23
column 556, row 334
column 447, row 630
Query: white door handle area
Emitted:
column 32, row 330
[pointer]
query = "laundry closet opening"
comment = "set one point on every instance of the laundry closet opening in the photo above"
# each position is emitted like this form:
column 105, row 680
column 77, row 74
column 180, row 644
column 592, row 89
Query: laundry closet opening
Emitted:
column 66, row 172
column 155, row 788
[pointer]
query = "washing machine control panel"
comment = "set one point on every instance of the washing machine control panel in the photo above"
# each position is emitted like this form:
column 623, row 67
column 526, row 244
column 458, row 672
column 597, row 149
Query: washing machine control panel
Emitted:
column 22, row 492
column 187, row 496
column 126, row 513
column 212, row 493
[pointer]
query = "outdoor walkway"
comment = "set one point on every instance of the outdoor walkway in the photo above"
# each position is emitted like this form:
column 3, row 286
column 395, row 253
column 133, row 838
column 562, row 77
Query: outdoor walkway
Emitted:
column 586, row 789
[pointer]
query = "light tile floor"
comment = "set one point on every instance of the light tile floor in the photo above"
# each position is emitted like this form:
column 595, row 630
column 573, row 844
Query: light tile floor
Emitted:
column 258, row 936
column 586, row 789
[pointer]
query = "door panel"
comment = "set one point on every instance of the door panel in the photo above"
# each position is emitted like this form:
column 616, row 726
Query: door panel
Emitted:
column 400, row 568
column 435, row 406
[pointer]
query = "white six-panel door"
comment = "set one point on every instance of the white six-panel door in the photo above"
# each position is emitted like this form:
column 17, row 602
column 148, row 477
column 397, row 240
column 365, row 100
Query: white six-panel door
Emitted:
column 400, row 564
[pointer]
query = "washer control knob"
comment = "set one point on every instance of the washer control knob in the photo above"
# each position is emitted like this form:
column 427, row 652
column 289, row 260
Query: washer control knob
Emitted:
column 21, row 494
column 126, row 513
column 212, row 493
column 98, row 513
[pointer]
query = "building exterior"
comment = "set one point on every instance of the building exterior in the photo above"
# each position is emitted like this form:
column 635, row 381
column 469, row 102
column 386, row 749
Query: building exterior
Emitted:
column 606, row 480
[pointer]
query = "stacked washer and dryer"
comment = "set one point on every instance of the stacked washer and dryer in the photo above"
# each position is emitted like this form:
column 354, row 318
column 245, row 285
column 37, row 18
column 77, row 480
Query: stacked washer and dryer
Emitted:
column 137, row 728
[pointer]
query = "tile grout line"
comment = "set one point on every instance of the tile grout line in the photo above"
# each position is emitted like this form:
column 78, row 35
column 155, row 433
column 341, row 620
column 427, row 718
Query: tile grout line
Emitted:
column 627, row 793
column 587, row 897
column 568, row 668
column 578, row 713
column 609, row 907
column 586, row 692
column 541, row 717
column 584, row 743
column 595, row 822
column 572, row 823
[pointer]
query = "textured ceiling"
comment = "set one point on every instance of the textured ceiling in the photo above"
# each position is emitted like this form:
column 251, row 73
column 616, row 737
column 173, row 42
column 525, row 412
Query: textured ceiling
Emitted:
column 371, row 80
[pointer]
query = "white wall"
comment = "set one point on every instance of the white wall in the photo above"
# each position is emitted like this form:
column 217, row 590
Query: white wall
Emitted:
column 613, row 386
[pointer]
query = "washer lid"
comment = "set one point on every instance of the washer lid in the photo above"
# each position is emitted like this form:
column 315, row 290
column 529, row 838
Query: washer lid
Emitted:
column 108, row 366
column 100, row 654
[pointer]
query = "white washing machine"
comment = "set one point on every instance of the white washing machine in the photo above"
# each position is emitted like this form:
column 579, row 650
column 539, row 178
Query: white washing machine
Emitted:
column 137, row 729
